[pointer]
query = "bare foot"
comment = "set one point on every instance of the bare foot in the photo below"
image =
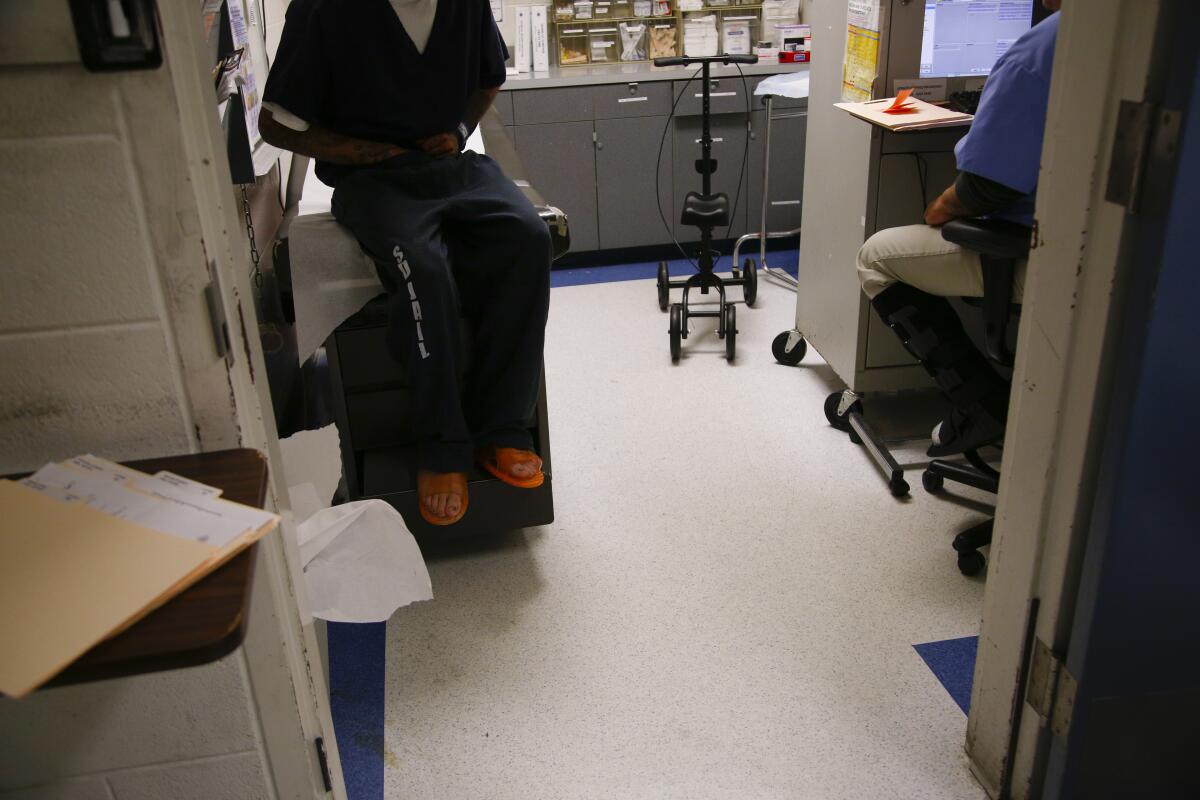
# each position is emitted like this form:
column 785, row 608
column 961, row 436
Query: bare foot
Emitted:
column 524, row 469
column 442, row 495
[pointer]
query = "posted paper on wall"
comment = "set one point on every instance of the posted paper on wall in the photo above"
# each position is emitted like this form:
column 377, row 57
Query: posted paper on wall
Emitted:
column 861, row 64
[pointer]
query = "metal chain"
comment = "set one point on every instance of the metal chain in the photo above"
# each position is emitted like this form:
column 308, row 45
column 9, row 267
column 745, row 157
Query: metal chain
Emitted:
column 254, row 255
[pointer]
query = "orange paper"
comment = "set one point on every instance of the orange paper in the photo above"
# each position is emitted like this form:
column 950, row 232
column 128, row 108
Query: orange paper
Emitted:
column 901, row 104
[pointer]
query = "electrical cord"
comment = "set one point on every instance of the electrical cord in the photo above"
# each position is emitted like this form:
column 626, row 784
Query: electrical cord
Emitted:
column 662, row 215
column 741, row 175
column 922, row 178
column 745, row 155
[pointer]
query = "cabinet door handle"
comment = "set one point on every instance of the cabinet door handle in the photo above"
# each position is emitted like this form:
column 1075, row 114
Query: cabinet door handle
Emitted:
column 785, row 202
column 599, row 145
column 716, row 140
column 718, row 94
column 632, row 99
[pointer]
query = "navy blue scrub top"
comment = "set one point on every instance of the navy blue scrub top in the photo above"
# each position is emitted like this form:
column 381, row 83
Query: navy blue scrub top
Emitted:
column 1005, row 140
column 350, row 67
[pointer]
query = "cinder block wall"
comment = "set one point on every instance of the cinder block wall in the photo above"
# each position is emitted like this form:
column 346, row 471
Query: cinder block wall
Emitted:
column 89, row 364
column 87, row 357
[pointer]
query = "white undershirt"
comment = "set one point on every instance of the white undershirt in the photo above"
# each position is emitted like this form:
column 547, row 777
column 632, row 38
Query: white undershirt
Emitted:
column 417, row 18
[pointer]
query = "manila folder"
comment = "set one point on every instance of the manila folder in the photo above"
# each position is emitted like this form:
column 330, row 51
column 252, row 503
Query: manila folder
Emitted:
column 70, row 576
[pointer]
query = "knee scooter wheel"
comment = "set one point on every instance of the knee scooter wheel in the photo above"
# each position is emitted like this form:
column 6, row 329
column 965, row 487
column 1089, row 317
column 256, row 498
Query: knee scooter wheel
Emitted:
column 750, row 282
column 664, row 286
column 730, row 331
column 676, row 332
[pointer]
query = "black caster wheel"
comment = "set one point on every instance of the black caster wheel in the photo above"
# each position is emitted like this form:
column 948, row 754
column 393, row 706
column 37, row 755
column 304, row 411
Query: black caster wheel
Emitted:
column 783, row 356
column 730, row 331
column 676, row 332
column 664, row 286
column 839, row 422
column 750, row 281
column 971, row 563
column 932, row 482
column 898, row 487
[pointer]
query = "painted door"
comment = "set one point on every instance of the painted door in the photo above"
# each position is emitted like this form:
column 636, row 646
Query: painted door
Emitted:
column 1084, row 270
column 1135, row 641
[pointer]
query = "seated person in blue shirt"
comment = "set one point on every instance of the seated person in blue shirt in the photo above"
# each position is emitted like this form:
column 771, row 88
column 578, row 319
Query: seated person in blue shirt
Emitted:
column 383, row 94
column 908, row 272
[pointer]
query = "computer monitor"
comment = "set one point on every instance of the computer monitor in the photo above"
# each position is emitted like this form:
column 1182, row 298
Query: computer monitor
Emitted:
column 963, row 38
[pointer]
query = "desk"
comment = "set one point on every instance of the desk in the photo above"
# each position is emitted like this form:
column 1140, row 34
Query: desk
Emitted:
column 208, row 620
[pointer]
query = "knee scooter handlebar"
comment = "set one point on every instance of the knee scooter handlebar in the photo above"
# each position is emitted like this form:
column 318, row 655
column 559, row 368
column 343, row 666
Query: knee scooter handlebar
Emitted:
column 679, row 61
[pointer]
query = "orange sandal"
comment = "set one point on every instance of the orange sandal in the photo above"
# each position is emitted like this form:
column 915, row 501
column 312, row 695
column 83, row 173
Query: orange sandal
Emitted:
column 431, row 483
column 499, row 461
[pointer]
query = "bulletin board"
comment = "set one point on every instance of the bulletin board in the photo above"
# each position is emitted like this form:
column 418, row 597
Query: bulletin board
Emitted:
column 860, row 67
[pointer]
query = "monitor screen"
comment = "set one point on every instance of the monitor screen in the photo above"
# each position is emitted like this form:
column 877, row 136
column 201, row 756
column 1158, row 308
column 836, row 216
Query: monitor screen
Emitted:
column 965, row 37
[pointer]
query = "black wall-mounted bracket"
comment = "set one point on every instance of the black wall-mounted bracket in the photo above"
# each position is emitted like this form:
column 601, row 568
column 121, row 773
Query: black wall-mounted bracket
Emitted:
column 117, row 35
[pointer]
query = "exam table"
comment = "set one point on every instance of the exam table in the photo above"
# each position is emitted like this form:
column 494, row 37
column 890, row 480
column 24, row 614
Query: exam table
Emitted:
column 329, row 290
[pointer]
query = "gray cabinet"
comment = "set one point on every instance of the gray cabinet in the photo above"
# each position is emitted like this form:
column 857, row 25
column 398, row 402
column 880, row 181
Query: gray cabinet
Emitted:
column 593, row 151
column 729, row 150
column 560, row 158
column 787, row 171
column 626, row 161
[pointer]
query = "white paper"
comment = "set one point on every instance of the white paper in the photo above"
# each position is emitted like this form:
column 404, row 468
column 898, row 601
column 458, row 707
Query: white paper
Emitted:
column 361, row 563
column 312, row 462
column 523, row 58
column 541, row 39
column 931, row 90
column 787, row 84
column 863, row 13
column 210, row 522
column 187, row 485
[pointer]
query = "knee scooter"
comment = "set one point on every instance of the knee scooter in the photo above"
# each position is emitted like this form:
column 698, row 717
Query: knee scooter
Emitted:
column 706, row 211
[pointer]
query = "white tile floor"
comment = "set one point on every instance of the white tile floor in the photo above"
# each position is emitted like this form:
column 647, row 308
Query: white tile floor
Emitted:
column 724, row 608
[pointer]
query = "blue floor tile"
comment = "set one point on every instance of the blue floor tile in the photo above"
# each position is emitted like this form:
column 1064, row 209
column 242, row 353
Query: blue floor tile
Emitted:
column 357, row 666
column 953, row 662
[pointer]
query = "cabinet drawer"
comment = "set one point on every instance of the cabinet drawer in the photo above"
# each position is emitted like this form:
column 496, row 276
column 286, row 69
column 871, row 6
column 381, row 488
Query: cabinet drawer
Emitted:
column 728, row 96
column 632, row 100
column 537, row 106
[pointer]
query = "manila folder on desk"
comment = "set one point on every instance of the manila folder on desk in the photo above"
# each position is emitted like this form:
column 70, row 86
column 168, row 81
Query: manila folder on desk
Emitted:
column 70, row 576
column 916, row 116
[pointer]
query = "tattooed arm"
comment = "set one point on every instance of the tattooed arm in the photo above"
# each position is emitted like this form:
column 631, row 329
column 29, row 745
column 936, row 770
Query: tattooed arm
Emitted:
column 324, row 145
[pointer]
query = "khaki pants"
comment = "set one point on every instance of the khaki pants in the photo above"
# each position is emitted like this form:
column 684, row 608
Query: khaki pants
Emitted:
column 919, row 256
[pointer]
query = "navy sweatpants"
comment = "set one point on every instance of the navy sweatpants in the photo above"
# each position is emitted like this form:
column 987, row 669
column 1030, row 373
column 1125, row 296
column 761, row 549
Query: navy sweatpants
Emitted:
column 455, row 237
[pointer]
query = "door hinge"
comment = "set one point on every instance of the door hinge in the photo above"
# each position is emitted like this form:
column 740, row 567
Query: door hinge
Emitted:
column 217, row 318
column 1147, row 137
column 1051, row 690
column 323, row 760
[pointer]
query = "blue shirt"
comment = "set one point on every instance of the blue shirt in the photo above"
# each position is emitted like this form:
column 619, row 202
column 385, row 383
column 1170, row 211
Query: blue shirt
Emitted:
column 350, row 67
column 1005, row 140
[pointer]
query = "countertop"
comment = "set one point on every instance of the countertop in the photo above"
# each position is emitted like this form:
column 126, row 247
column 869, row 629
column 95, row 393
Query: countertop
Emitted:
column 600, row 74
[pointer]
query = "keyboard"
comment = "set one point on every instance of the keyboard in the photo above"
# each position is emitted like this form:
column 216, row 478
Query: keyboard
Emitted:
column 966, row 102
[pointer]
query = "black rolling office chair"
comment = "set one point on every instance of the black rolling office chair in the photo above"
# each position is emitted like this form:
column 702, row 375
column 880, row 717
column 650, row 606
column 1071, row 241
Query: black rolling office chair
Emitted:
column 1000, row 246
